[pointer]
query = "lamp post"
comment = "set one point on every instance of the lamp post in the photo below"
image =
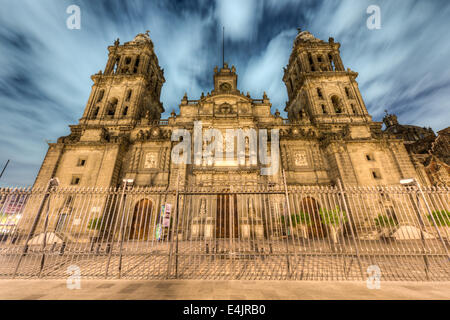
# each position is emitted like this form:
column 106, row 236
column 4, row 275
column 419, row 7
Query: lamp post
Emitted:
column 126, row 183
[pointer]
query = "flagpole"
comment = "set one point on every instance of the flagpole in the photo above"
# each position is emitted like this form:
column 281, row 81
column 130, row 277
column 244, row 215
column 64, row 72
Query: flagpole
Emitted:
column 4, row 168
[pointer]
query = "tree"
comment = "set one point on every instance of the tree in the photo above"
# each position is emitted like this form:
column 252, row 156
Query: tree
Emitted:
column 334, row 217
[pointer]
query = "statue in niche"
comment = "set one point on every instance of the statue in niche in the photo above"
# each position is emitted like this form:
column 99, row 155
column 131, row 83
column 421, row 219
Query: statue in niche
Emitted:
column 140, row 135
column 251, row 208
column 203, row 207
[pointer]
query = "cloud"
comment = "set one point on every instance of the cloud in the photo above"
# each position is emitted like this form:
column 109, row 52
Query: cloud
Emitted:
column 239, row 17
column 264, row 72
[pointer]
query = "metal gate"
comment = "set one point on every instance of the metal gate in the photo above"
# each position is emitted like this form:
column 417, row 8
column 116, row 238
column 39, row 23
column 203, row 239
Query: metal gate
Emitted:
column 235, row 232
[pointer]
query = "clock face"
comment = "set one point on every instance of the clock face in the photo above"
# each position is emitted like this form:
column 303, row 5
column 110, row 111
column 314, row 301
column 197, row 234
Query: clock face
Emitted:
column 225, row 86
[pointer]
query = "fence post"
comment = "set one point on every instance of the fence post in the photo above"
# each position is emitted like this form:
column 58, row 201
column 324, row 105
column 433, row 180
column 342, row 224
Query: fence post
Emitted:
column 44, row 241
column 290, row 226
column 172, row 232
column 350, row 219
column 112, row 238
column 51, row 183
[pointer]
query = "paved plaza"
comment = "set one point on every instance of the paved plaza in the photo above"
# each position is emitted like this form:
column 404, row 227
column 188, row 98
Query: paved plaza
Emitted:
column 219, row 290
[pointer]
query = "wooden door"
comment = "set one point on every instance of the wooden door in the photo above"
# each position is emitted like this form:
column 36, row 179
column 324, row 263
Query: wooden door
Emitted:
column 226, row 216
column 142, row 222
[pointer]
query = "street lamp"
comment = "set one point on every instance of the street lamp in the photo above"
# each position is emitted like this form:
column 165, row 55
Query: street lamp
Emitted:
column 128, row 182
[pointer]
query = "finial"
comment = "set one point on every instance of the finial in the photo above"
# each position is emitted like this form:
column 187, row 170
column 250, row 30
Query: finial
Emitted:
column 117, row 42
column 203, row 95
column 147, row 32
column 264, row 95
column 299, row 30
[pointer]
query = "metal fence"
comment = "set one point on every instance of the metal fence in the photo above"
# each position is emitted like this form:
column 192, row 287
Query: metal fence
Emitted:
column 234, row 232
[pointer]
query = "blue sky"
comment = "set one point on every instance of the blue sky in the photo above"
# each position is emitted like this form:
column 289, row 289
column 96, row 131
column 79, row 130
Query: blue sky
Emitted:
column 46, row 67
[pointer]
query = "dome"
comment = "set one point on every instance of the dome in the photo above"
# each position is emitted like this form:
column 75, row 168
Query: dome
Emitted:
column 306, row 36
column 142, row 38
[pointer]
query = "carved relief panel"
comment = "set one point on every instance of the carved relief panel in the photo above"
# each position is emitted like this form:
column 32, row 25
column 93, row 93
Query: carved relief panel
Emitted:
column 300, row 159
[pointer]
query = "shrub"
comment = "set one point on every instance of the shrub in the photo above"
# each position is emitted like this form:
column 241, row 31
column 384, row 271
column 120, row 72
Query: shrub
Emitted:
column 383, row 221
column 300, row 218
column 333, row 217
column 96, row 224
column 442, row 217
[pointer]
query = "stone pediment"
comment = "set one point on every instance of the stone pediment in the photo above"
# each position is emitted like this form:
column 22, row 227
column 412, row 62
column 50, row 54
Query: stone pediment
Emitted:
column 225, row 110
column 231, row 98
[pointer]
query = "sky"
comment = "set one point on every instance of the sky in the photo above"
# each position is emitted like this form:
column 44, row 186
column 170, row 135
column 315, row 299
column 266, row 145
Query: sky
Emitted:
column 45, row 67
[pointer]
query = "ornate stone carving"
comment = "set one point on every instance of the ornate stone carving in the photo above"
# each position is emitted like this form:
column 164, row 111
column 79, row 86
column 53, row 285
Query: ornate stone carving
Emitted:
column 301, row 158
column 151, row 160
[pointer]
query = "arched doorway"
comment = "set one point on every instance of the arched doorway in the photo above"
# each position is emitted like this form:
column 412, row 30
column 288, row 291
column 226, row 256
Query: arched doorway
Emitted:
column 142, row 223
column 311, row 207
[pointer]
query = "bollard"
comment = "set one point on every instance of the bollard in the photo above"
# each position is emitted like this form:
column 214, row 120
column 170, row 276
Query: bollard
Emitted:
column 63, row 247
column 14, row 238
column 25, row 250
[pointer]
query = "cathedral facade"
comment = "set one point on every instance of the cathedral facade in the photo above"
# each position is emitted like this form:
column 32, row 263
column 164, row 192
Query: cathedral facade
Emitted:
column 328, row 135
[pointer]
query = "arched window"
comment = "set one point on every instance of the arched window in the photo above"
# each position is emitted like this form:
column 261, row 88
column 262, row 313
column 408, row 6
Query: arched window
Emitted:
column 311, row 62
column 125, row 111
column 126, row 67
column 330, row 58
column 348, row 93
column 100, row 95
column 353, row 108
column 128, row 95
column 337, row 105
column 136, row 65
column 112, row 105
column 95, row 113
column 324, row 110
column 319, row 93
column 116, row 64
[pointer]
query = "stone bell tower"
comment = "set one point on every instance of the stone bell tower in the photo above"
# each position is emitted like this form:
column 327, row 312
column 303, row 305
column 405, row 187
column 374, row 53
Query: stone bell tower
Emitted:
column 130, row 86
column 319, row 88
